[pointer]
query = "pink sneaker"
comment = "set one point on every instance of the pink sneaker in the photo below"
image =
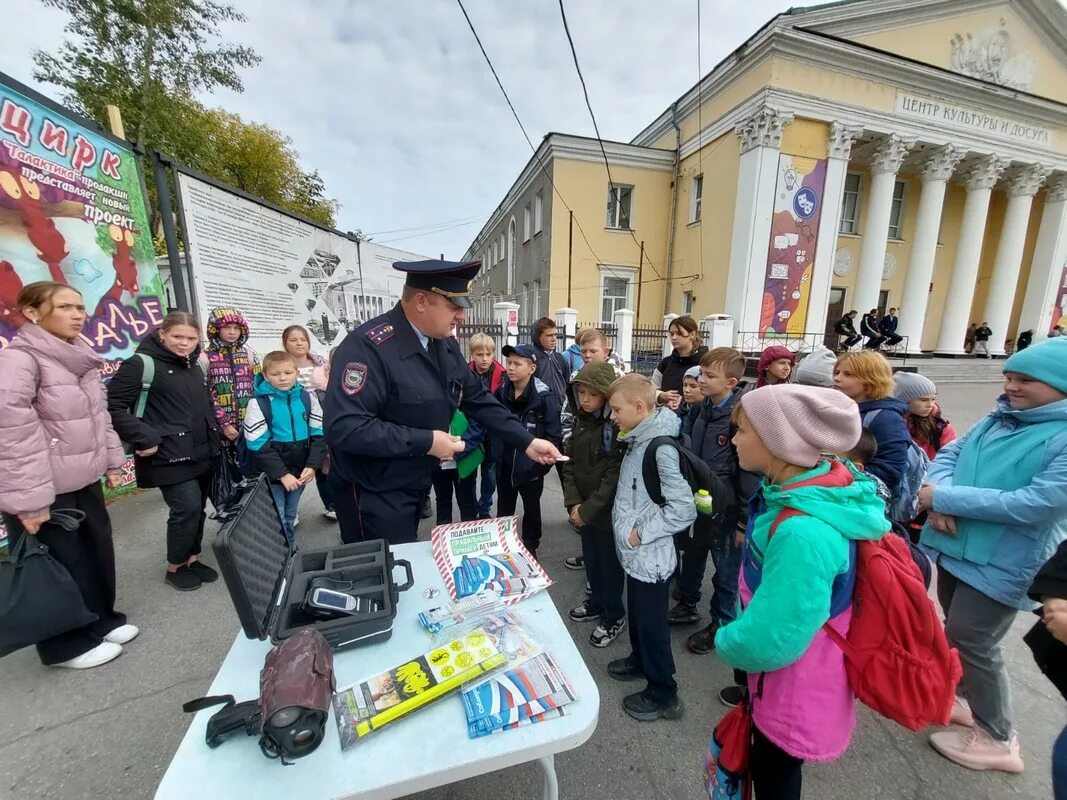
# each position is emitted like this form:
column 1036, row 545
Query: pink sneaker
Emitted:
column 974, row 748
column 961, row 713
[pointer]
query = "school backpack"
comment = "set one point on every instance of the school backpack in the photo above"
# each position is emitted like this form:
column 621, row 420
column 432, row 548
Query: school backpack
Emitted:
column 897, row 658
column 903, row 504
column 268, row 413
column 148, row 374
column 695, row 471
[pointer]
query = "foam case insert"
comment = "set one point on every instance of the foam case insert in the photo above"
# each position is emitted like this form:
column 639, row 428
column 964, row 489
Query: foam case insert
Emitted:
column 267, row 581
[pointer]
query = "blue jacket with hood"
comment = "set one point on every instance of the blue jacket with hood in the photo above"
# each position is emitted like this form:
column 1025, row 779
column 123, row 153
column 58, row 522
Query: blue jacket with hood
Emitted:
column 1005, row 482
column 891, row 431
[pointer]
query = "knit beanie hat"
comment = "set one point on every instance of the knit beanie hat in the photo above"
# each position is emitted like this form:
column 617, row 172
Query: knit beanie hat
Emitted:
column 693, row 372
column 768, row 357
column 817, row 368
column 1045, row 362
column 910, row 386
column 596, row 376
column 797, row 423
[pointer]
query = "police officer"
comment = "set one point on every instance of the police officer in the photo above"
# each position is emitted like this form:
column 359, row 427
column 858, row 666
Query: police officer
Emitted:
column 395, row 383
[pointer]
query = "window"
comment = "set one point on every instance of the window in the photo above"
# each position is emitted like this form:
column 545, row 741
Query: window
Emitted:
column 694, row 207
column 503, row 249
column 896, row 211
column 850, row 204
column 527, row 222
column 539, row 210
column 616, row 288
column 687, row 302
column 535, row 310
column 620, row 201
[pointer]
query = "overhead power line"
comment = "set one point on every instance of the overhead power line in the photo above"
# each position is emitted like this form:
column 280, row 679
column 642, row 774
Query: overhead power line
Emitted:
column 612, row 188
column 540, row 163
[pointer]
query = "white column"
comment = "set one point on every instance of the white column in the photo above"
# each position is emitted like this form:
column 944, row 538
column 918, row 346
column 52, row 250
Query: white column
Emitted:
column 761, row 138
column 566, row 321
column 980, row 181
column 506, row 316
column 624, row 335
column 1046, row 269
column 667, row 320
column 822, row 275
column 937, row 169
column 1022, row 186
column 884, row 165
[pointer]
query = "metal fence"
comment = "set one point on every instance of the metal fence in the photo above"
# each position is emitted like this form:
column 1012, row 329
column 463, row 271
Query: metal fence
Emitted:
column 465, row 331
column 647, row 349
column 752, row 343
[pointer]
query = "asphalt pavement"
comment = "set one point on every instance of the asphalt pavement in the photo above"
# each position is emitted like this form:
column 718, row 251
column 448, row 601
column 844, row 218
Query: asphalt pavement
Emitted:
column 110, row 732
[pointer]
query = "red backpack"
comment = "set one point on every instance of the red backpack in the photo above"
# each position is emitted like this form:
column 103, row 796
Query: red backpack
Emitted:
column 897, row 658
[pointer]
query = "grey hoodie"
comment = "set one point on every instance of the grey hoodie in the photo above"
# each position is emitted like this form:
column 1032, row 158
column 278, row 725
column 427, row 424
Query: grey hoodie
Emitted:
column 654, row 558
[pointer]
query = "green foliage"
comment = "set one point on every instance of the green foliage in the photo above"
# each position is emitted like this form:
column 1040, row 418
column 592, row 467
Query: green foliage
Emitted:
column 150, row 58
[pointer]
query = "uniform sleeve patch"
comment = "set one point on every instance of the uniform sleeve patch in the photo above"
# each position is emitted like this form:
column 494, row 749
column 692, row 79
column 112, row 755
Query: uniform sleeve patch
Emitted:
column 380, row 333
column 354, row 378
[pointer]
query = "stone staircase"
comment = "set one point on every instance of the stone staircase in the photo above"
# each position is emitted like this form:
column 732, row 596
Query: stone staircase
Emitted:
column 958, row 370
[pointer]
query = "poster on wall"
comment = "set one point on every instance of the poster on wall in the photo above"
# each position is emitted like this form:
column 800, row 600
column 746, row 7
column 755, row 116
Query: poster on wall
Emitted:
column 1059, row 312
column 72, row 210
column 279, row 270
column 791, row 251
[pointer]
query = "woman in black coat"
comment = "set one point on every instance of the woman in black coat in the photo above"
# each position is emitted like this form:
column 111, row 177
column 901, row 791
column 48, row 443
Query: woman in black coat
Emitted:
column 174, row 435
column 688, row 350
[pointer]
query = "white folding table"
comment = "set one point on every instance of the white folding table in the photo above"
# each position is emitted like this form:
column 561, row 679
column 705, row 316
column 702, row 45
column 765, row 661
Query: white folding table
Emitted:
column 429, row 749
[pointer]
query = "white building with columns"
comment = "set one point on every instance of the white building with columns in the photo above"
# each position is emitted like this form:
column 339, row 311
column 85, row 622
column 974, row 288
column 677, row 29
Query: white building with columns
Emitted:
column 867, row 154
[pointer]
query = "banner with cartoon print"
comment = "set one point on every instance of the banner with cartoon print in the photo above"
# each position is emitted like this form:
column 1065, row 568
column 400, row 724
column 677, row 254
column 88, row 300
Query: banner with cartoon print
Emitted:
column 798, row 201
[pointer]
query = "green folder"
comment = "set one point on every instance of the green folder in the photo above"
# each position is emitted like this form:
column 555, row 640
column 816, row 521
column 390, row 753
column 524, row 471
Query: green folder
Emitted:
column 468, row 464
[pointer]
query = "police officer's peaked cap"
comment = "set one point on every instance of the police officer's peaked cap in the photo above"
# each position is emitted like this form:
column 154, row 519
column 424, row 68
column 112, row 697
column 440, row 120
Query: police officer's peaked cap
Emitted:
column 451, row 279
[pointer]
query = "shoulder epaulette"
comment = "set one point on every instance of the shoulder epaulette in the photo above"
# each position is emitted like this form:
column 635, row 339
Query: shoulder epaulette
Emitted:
column 381, row 333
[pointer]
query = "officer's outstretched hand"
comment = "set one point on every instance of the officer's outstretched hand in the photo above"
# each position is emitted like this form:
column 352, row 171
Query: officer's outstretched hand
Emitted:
column 543, row 452
column 445, row 446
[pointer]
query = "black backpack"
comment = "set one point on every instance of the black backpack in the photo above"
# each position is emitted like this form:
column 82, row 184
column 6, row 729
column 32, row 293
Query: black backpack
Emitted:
column 695, row 471
column 268, row 412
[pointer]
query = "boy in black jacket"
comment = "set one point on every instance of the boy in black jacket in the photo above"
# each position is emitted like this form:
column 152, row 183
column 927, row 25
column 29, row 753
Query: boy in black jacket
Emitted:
column 535, row 405
column 590, row 479
column 710, row 429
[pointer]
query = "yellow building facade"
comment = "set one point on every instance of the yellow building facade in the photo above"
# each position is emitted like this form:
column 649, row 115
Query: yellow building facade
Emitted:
column 863, row 154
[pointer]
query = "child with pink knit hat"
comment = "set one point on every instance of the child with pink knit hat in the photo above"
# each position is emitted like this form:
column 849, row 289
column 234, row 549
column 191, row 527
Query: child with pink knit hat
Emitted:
column 797, row 577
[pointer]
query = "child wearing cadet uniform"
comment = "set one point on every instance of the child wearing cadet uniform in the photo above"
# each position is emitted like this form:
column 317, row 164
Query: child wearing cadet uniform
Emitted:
column 710, row 430
column 283, row 429
column 644, row 539
column 535, row 405
column 590, row 478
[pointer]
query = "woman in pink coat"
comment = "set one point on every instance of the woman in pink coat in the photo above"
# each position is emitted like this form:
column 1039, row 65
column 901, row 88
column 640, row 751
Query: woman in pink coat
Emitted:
column 57, row 440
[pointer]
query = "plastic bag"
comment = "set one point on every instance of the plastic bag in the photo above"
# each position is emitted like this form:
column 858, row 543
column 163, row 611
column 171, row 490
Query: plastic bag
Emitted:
column 226, row 484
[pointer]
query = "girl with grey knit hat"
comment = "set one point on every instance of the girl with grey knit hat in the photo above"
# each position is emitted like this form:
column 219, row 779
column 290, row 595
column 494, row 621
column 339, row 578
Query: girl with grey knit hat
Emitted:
column 928, row 428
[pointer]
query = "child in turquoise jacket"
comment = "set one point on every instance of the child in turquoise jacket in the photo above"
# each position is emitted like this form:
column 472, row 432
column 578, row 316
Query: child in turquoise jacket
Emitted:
column 794, row 581
column 998, row 509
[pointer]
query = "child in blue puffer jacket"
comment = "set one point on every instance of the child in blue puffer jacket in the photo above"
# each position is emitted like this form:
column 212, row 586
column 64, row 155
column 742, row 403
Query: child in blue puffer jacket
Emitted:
column 997, row 499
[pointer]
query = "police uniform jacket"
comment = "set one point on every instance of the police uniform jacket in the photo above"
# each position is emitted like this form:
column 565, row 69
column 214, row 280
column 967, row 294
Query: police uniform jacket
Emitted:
column 387, row 395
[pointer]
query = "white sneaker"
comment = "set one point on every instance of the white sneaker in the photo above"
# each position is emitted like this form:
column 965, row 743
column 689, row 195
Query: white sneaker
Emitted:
column 331, row 514
column 122, row 634
column 100, row 654
column 296, row 521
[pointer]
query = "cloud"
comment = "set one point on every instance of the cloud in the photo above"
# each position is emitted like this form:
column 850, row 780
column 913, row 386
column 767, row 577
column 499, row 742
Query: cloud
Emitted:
column 395, row 107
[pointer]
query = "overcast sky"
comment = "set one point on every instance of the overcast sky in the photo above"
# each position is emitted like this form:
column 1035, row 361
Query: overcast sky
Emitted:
column 391, row 101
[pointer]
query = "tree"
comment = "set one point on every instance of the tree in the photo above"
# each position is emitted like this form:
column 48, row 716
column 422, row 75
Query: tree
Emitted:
column 139, row 54
column 150, row 58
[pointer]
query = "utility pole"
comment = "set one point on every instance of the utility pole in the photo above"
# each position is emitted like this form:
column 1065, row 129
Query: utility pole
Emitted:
column 358, row 237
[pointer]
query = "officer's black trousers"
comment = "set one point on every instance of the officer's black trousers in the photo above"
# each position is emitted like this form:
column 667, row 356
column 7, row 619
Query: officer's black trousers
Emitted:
column 362, row 515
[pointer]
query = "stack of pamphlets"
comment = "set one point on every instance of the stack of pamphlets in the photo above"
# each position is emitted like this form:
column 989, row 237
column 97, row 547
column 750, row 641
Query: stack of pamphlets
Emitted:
column 487, row 555
column 531, row 692
column 371, row 704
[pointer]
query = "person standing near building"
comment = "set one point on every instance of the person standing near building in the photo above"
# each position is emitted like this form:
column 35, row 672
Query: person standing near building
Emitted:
column 392, row 394
column 552, row 367
column 57, row 441
column 981, row 340
column 687, row 351
column 887, row 326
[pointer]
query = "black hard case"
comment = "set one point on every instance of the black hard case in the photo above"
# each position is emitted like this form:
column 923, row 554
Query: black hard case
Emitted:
column 267, row 581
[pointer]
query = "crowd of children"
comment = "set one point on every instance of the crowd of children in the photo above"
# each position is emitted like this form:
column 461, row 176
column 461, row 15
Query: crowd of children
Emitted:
column 830, row 438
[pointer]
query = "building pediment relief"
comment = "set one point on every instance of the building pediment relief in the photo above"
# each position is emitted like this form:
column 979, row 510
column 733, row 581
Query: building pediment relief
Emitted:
column 992, row 55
